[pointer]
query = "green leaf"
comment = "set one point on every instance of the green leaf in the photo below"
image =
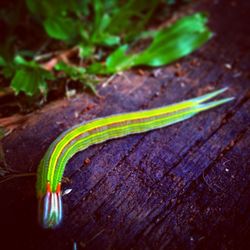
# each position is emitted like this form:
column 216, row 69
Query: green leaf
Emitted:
column 20, row 61
column 120, row 56
column 106, row 39
column 74, row 72
column 30, row 80
column 85, row 51
column 2, row 62
column 130, row 18
column 100, row 36
column 179, row 40
column 97, row 68
column 168, row 45
column 77, row 74
column 62, row 28
column 104, row 22
column 91, row 86
column 24, row 81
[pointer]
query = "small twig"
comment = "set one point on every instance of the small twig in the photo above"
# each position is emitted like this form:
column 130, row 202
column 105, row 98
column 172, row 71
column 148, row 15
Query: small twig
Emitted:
column 47, row 55
column 126, row 78
column 6, row 91
column 110, row 79
column 11, row 120
column 204, row 178
column 10, row 123
column 63, row 56
column 42, row 48
column 95, row 236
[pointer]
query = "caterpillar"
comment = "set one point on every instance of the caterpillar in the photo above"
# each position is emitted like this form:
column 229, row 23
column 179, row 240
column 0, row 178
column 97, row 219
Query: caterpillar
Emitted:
column 82, row 136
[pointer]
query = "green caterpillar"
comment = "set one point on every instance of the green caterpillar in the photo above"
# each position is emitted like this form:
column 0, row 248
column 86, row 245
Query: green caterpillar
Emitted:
column 82, row 136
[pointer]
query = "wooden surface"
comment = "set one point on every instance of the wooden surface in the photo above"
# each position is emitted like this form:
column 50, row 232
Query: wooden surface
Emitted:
column 182, row 187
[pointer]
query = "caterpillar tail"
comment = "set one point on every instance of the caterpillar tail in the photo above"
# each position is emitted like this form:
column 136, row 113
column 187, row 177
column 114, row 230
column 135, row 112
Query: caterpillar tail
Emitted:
column 50, row 207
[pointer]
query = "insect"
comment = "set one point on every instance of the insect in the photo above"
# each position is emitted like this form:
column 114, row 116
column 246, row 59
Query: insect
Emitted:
column 82, row 136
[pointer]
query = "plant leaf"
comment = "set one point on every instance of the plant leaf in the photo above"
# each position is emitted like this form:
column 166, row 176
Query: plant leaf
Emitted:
column 106, row 39
column 179, row 40
column 2, row 62
column 74, row 72
column 123, row 18
column 77, row 74
column 30, row 80
column 62, row 28
column 169, row 44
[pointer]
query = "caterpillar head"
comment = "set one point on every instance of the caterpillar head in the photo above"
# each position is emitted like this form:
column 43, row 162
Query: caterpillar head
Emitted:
column 50, row 207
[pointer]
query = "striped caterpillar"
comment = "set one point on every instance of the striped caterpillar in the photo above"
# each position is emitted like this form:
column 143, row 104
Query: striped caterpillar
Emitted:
column 82, row 136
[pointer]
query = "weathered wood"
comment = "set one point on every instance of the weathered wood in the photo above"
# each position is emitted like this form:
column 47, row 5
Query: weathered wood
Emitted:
column 182, row 187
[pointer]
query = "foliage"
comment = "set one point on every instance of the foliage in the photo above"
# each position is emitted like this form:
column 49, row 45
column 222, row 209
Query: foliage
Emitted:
column 76, row 74
column 29, row 77
column 95, row 28
column 168, row 45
